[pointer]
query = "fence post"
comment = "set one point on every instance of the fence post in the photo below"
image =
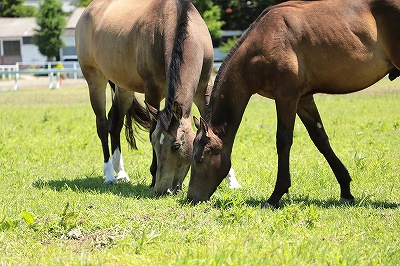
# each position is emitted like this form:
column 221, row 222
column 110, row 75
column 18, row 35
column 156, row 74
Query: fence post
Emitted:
column 58, row 80
column 10, row 69
column 75, row 67
column 16, row 76
column 50, row 76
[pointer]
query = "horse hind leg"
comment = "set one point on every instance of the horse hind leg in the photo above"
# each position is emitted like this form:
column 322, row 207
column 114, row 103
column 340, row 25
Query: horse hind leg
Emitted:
column 97, row 83
column 120, row 106
column 309, row 115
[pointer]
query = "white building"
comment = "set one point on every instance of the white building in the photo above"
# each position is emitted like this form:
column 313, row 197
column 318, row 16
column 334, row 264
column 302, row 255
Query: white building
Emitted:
column 67, row 5
column 16, row 39
column 68, row 36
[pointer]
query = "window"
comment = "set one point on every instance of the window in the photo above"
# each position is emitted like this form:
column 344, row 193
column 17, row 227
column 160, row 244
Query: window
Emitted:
column 26, row 40
column 12, row 47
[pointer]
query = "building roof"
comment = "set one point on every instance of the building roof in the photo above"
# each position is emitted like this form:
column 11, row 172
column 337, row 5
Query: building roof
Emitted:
column 25, row 27
column 17, row 27
column 73, row 18
column 67, row 5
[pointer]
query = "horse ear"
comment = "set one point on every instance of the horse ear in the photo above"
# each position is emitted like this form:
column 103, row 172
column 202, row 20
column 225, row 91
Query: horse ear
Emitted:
column 204, row 127
column 177, row 111
column 196, row 122
column 152, row 111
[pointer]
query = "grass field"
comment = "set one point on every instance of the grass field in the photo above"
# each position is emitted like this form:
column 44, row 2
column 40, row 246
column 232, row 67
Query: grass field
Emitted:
column 56, row 211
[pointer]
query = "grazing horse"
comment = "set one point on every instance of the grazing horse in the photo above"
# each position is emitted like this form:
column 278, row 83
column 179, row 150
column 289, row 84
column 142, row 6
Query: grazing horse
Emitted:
column 160, row 48
column 292, row 51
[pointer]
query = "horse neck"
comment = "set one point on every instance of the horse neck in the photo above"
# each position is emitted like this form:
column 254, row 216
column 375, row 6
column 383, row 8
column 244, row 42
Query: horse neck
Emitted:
column 186, row 89
column 189, row 60
column 229, row 99
column 194, row 76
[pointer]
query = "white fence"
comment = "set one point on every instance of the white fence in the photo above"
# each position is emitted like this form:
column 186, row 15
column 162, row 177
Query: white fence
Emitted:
column 47, row 69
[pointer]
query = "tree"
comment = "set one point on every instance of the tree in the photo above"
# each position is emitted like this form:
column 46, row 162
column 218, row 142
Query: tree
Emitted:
column 239, row 14
column 82, row 3
column 14, row 8
column 51, row 21
column 212, row 16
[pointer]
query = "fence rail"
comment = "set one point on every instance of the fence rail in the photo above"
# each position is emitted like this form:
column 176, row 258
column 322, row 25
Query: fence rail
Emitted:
column 13, row 71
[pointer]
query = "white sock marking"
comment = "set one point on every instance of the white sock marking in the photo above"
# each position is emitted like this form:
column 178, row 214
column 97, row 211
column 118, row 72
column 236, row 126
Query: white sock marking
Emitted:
column 119, row 166
column 231, row 179
column 162, row 139
column 108, row 170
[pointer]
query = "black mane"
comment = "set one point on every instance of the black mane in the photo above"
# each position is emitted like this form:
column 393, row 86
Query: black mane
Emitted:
column 173, row 74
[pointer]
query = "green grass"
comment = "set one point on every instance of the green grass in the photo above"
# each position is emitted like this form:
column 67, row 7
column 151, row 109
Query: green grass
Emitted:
column 56, row 211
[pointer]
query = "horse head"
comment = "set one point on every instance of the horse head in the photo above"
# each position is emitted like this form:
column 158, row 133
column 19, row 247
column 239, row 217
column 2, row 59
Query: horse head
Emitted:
column 173, row 147
column 210, row 162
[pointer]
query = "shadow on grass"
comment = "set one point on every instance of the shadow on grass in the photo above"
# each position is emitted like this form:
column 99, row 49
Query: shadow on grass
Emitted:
column 95, row 185
column 328, row 203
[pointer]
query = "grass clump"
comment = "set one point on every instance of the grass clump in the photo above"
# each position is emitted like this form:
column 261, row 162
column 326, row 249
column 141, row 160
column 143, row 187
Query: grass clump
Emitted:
column 56, row 211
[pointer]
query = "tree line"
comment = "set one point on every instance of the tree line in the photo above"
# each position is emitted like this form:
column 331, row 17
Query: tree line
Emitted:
column 218, row 14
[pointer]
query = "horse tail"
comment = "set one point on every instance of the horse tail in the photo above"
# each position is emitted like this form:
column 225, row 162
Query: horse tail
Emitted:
column 141, row 117
column 136, row 113
column 173, row 73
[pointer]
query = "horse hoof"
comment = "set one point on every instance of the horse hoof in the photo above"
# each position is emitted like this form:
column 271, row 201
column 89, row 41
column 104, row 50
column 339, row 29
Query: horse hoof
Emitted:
column 344, row 200
column 123, row 177
column 270, row 206
column 110, row 181
column 234, row 185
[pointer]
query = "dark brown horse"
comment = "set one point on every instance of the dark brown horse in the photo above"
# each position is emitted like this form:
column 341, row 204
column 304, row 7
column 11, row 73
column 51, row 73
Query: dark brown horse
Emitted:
column 160, row 48
column 292, row 51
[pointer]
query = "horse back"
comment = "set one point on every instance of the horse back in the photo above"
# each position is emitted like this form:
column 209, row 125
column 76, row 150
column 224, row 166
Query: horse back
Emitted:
column 331, row 46
column 129, row 41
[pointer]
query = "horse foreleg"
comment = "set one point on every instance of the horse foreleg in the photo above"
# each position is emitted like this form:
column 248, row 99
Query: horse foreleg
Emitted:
column 118, row 165
column 97, row 83
column 152, row 99
column 286, row 114
column 309, row 115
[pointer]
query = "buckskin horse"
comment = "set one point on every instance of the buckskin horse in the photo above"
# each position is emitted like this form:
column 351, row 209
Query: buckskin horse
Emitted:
column 162, row 49
column 292, row 51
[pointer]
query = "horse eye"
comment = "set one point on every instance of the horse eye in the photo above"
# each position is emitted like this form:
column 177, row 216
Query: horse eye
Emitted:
column 175, row 146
